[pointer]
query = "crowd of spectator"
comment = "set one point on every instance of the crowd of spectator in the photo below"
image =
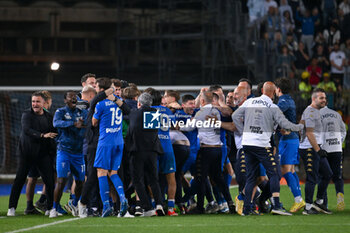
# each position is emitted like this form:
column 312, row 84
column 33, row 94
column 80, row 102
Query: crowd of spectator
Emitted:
column 307, row 36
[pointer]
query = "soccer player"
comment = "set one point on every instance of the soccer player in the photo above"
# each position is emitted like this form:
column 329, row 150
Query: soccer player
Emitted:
column 260, row 115
column 117, row 85
column 289, row 143
column 88, row 79
column 226, row 164
column 70, row 122
column 334, row 135
column 167, row 165
column 188, row 111
column 314, row 157
column 87, row 94
column 90, row 193
column 209, row 158
column 109, row 116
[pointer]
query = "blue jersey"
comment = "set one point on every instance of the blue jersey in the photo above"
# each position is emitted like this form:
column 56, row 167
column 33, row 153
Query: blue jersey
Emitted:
column 166, row 118
column 192, row 136
column 70, row 138
column 287, row 106
column 110, row 119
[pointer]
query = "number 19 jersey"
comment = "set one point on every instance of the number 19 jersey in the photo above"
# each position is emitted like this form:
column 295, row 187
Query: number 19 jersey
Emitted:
column 110, row 119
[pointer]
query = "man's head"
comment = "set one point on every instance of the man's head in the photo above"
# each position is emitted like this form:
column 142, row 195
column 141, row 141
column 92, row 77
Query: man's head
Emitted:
column 88, row 93
column 244, row 82
column 283, row 86
column 289, row 37
column 163, row 102
column 38, row 101
column 269, row 89
column 336, row 47
column 319, row 99
column 88, row 79
column 48, row 99
column 217, row 89
column 102, row 84
column 206, row 98
column 215, row 99
column 188, row 104
column 284, row 49
column 156, row 96
column 326, row 77
column 70, row 99
column 144, row 100
column 320, row 49
column 117, row 84
column 130, row 93
column 239, row 96
column 314, row 61
column 171, row 96
column 229, row 99
column 259, row 88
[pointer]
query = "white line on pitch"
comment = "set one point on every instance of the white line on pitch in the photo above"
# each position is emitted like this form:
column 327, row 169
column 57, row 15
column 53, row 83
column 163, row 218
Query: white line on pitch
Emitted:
column 44, row 225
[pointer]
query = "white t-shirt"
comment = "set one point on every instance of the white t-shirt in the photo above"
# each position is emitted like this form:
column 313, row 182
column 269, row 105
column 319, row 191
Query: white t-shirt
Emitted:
column 337, row 58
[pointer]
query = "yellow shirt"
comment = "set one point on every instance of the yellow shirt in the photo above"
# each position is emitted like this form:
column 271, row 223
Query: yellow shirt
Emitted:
column 328, row 87
column 305, row 90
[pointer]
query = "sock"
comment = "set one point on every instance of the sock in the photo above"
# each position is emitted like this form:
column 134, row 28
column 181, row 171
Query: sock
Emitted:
column 308, row 206
column 75, row 200
column 30, row 205
column 115, row 206
column 110, row 201
column 297, row 181
column 216, row 193
column 319, row 201
column 228, row 179
column 241, row 197
column 42, row 198
column 55, row 205
column 104, row 191
column 298, row 199
column 276, row 202
column 153, row 203
column 292, row 183
column 118, row 184
column 71, row 196
column 221, row 198
column 171, row 203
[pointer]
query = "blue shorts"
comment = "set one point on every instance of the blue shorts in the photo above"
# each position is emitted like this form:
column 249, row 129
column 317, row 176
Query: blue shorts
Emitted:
column 190, row 163
column 288, row 151
column 67, row 162
column 109, row 157
column 167, row 162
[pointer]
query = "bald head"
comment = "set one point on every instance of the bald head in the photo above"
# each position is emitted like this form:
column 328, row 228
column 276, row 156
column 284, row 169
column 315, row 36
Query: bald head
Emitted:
column 206, row 98
column 269, row 89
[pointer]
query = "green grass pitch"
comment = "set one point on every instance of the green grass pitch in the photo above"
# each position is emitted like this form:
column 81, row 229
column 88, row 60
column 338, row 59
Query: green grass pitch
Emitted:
column 337, row 222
